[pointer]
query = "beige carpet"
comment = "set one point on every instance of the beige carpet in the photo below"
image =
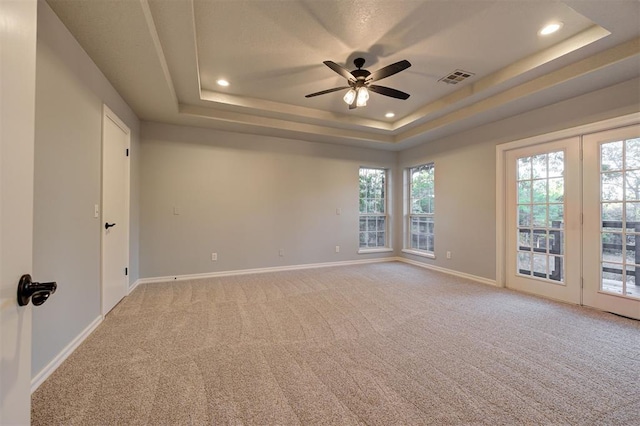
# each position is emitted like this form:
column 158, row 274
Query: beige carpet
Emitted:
column 379, row 344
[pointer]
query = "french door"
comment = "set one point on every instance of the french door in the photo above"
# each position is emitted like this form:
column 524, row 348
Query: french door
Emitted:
column 573, row 225
column 612, row 221
column 543, row 220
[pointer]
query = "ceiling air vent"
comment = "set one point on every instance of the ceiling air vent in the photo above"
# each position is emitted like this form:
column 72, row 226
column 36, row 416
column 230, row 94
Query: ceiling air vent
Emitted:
column 456, row 77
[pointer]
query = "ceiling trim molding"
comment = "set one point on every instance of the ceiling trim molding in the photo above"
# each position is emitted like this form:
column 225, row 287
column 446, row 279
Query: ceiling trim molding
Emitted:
column 153, row 33
column 268, row 122
column 584, row 38
column 577, row 69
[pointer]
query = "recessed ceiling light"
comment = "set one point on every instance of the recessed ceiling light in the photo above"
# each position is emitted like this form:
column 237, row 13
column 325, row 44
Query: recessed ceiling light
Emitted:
column 389, row 115
column 222, row 82
column 550, row 28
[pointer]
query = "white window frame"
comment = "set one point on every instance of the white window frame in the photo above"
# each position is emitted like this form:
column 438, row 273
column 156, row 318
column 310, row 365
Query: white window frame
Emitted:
column 410, row 216
column 384, row 214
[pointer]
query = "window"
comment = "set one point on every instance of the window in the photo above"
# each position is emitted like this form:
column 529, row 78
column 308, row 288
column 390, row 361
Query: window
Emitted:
column 373, row 208
column 540, row 212
column 421, row 208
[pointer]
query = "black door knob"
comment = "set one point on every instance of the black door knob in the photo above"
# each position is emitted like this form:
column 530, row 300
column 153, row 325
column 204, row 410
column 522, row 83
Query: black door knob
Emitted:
column 37, row 292
column 108, row 225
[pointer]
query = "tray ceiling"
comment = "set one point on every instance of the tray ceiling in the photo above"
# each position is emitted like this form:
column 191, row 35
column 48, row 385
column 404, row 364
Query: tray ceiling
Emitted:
column 166, row 56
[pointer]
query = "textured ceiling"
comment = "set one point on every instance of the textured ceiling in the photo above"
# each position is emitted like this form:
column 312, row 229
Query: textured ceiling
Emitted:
column 165, row 56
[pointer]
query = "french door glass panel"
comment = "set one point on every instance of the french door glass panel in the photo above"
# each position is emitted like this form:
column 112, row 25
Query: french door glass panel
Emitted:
column 543, row 199
column 612, row 220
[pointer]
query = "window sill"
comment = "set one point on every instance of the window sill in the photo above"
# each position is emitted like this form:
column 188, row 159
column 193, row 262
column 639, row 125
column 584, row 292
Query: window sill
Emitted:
column 419, row 253
column 375, row 250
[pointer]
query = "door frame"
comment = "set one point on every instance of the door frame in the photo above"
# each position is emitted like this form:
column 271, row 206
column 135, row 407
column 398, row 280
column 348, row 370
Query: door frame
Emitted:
column 108, row 114
column 18, row 36
column 569, row 289
column 592, row 293
column 501, row 185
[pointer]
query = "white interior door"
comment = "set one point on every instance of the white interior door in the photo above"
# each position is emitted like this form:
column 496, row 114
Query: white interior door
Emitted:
column 17, row 113
column 115, row 210
column 543, row 220
column 612, row 221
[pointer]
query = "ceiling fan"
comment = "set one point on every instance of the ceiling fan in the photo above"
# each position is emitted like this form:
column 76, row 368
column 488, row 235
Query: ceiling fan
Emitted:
column 360, row 80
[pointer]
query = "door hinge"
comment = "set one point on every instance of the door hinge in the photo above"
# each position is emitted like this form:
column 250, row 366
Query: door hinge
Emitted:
column 126, row 271
column 127, row 152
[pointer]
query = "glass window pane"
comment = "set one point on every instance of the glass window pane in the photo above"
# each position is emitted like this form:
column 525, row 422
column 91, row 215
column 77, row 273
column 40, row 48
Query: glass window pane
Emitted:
column 372, row 200
column 524, row 263
column 524, row 192
column 524, row 168
column 631, row 278
column 612, row 216
column 612, row 278
column 524, row 215
column 556, row 190
column 380, row 223
column 540, row 215
column 611, row 156
column 540, row 265
column 421, row 202
column 632, row 154
column 556, row 269
column 556, row 164
column 556, row 242
column 524, row 239
column 539, row 191
column 539, row 240
column 632, row 245
column 612, row 184
column 633, row 215
column 611, row 247
column 539, row 166
column 556, row 216
column 633, row 185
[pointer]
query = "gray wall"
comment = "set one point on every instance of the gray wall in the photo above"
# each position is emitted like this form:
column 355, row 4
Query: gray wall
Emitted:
column 466, row 173
column 245, row 197
column 70, row 91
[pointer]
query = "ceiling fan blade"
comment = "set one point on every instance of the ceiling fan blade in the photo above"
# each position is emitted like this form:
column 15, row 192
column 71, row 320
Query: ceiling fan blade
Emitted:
column 389, row 70
column 340, row 70
column 335, row 89
column 388, row 91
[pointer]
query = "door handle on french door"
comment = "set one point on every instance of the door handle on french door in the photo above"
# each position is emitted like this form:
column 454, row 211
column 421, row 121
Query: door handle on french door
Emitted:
column 37, row 292
column 108, row 225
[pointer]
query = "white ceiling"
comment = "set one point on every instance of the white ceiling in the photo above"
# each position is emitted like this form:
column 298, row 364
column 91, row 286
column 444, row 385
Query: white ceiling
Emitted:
column 165, row 56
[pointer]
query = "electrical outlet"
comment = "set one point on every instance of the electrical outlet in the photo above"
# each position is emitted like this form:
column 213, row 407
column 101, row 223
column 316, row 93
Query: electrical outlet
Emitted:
column 281, row 252
column 214, row 257
column 338, row 211
column 96, row 210
column 176, row 211
column 337, row 249
column 448, row 255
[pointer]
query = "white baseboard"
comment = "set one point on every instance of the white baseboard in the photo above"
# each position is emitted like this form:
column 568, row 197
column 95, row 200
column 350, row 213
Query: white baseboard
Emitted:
column 310, row 266
column 64, row 354
column 68, row 350
column 133, row 286
column 450, row 271
column 258, row 271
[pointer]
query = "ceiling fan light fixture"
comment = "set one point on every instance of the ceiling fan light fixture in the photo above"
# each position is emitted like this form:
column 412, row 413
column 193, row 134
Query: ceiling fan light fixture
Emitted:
column 363, row 97
column 349, row 96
